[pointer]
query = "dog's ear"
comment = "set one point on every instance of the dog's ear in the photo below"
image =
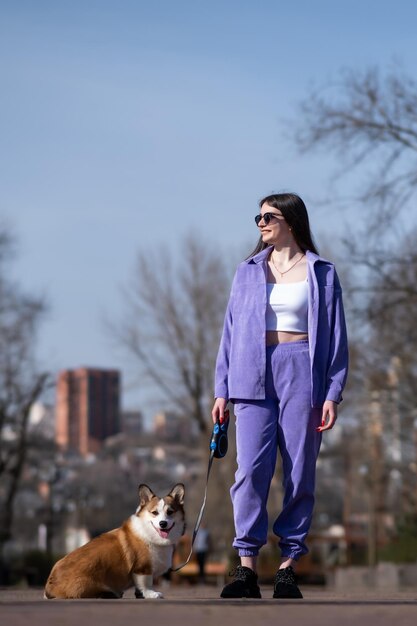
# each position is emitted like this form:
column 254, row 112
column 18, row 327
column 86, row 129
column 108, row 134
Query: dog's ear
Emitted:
column 145, row 494
column 177, row 493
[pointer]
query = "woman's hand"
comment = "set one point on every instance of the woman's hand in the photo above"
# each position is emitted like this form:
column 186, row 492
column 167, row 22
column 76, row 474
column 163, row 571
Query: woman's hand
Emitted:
column 328, row 416
column 218, row 410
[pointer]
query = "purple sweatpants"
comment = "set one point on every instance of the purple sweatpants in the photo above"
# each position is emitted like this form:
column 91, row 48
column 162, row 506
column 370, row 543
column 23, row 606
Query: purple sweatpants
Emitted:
column 284, row 420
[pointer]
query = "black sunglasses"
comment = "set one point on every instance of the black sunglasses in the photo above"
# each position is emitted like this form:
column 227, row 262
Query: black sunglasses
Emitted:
column 267, row 217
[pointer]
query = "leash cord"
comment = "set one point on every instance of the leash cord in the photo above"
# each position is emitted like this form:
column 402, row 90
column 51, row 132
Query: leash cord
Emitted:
column 200, row 516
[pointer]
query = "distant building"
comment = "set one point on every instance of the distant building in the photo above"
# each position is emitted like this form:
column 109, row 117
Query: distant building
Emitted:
column 132, row 422
column 87, row 408
column 170, row 426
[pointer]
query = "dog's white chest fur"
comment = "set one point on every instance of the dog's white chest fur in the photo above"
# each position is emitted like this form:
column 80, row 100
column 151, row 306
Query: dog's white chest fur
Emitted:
column 161, row 557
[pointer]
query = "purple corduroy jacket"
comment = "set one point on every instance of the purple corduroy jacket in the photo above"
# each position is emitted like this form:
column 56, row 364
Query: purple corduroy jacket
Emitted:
column 241, row 359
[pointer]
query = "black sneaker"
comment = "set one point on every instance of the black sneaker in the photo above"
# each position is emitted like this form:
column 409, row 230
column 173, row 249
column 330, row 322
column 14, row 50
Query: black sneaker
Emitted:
column 244, row 585
column 285, row 585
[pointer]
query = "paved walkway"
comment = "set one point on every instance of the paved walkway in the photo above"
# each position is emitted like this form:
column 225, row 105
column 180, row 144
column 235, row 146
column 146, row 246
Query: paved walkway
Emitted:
column 186, row 606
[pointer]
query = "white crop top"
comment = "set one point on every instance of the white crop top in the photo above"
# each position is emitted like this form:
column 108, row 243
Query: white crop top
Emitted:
column 287, row 306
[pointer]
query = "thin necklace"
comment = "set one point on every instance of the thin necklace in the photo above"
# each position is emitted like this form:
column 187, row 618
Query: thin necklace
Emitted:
column 290, row 268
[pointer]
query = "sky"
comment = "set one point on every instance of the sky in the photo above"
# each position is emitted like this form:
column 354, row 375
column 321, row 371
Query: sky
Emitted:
column 126, row 125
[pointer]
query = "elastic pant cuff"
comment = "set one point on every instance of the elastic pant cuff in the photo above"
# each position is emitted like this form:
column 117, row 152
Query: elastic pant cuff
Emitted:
column 291, row 555
column 248, row 552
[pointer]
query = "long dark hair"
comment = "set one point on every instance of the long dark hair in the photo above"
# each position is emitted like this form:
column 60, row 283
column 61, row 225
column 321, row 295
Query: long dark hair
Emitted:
column 295, row 214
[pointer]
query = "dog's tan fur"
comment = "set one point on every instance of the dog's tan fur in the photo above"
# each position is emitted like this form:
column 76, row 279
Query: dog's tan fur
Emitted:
column 111, row 563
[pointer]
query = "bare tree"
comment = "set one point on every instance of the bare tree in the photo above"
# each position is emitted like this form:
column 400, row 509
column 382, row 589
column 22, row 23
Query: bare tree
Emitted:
column 172, row 324
column 21, row 383
column 368, row 120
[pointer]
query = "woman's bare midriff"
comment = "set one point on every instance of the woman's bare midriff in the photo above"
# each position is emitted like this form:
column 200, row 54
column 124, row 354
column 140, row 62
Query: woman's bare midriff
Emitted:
column 279, row 336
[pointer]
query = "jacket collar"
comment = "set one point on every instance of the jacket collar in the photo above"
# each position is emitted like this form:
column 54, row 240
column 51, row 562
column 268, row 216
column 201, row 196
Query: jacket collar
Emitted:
column 262, row 255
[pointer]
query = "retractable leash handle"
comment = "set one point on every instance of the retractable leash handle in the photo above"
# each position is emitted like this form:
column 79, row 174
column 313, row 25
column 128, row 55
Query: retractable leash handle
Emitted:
column 218, row 442
column 218, row 449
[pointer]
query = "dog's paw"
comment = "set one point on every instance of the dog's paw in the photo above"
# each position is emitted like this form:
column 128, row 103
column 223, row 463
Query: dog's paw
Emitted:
column 150, row 593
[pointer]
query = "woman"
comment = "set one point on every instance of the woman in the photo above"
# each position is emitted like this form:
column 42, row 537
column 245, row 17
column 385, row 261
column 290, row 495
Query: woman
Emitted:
column 283, row 362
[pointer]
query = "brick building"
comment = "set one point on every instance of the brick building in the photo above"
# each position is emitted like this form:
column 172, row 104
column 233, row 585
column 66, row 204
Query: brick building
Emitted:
column 87, row 408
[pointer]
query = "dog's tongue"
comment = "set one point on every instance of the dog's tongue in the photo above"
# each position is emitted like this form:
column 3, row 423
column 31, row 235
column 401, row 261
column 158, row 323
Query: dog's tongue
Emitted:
column 163, row 532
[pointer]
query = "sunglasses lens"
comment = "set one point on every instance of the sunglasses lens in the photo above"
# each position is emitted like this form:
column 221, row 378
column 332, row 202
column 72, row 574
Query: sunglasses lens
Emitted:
column 266, row 217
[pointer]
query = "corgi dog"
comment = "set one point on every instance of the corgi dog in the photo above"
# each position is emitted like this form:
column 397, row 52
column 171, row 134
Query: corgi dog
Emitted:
column 128, row 556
